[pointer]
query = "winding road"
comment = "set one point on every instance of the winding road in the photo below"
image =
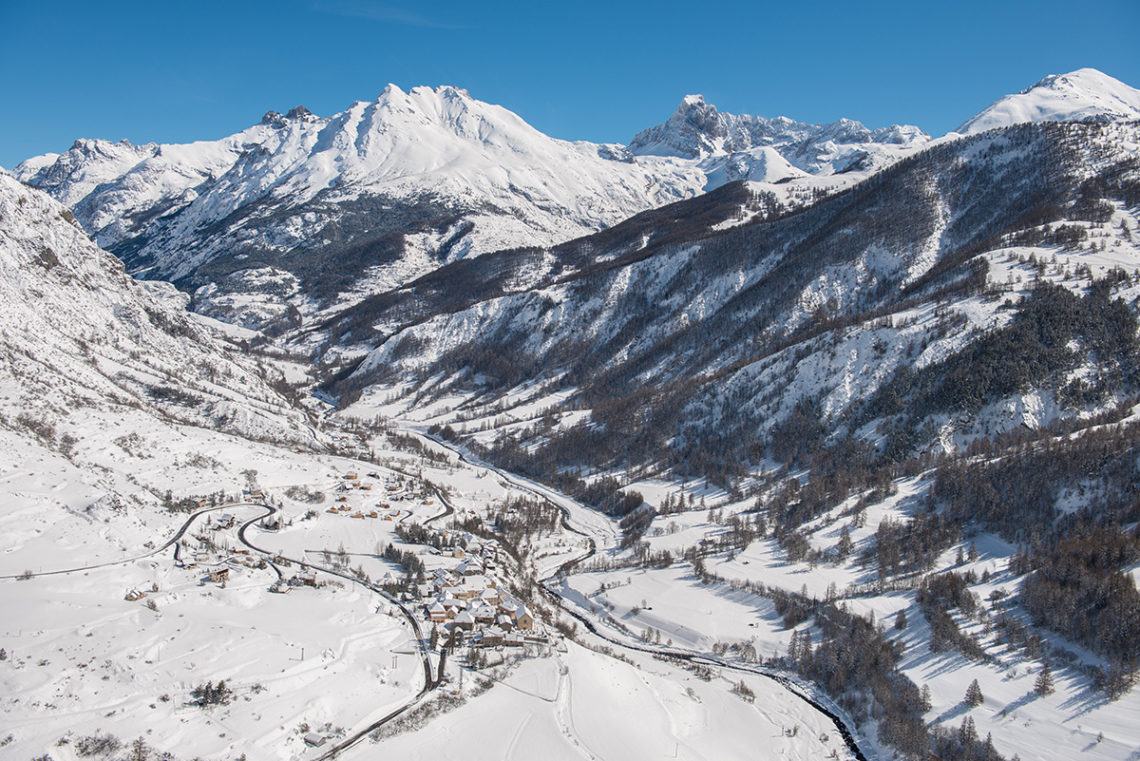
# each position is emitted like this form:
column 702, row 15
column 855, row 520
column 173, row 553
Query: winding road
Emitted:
column 600, row 533
column 572, row 520
column 150, row 553
column 429, row 682
column 266, row 511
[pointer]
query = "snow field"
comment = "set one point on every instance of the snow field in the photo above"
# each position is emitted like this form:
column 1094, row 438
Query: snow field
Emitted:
column 84, row 660
column 585, row 705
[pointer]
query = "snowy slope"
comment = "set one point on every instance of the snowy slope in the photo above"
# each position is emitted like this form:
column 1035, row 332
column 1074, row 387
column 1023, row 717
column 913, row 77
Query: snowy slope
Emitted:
column 1081, row 95
column 77, row 332
column 757, row 315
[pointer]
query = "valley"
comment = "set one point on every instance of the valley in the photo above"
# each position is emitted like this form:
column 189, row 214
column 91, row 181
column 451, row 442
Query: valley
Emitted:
column 412, row 430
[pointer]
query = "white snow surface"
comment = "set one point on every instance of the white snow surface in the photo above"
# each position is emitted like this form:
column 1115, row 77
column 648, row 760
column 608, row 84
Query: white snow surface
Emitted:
column 1081, row 95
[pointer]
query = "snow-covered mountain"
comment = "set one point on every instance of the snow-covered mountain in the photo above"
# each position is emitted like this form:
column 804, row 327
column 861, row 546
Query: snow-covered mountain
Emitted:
column 719, row 319
column 83, row 340
column 1081, row 95
column 377, row 193
column 301, row 217
column 300, row 213
column 697, row 130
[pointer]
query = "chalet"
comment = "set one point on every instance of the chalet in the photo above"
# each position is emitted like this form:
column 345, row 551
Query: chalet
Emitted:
column 280, row 587
column 469, row 567
column 485, row 614
column 437, row 613
column 303, row 580
column 350, row 476
column 134, row 595
column 313, row 740
column 523, row 618
column 492, row 637
column 490, row 596
column 225, row 521
column 220, row 575
column 464, row 620
column 504, row 622
column 241, row 551
column 458, row 552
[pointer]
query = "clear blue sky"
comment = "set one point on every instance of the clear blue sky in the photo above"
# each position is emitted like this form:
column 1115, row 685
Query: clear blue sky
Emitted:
column 173, row 71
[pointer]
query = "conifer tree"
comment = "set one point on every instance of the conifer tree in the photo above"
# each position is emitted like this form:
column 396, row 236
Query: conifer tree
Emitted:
column 1044, row 684
column 974, row 695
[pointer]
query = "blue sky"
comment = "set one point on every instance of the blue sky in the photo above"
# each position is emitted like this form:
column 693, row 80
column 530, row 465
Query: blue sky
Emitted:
column 176, row 71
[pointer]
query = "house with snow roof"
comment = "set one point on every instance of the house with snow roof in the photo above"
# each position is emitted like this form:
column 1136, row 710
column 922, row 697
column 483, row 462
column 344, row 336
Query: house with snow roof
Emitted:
column 524, row 619
column 464, row 620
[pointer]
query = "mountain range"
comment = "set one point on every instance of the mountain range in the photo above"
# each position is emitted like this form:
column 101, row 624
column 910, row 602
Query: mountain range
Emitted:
column 873, row 348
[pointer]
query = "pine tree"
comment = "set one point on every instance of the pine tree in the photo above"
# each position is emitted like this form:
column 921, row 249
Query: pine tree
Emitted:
column 434, row 638
column 968, row 733
column 139, row 751
column 845, row 545
column 974, row 695
column 1044, row 684
column 900, row 620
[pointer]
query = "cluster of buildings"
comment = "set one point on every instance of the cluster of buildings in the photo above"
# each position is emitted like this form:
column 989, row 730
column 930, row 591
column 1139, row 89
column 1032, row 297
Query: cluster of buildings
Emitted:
column 464, row 592
column 393, row 492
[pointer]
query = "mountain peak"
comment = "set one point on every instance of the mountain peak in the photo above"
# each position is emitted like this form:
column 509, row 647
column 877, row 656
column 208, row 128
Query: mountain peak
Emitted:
column 1082, row 95
column 298, row 112
column 697, row 130
column 691, row 132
